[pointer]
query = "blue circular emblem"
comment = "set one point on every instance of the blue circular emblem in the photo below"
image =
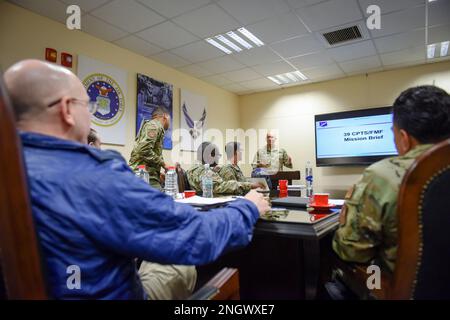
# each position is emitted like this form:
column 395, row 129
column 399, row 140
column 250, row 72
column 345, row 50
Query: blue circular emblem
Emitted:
column 106, row 92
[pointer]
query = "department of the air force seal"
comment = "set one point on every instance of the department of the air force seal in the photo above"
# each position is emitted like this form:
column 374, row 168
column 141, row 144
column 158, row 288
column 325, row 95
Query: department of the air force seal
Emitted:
column 109, row 96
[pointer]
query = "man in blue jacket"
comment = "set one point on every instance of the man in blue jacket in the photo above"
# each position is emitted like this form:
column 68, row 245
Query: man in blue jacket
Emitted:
column 93, row 216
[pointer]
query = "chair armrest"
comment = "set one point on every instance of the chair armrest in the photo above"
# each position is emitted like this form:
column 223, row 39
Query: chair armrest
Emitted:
column 223, row 286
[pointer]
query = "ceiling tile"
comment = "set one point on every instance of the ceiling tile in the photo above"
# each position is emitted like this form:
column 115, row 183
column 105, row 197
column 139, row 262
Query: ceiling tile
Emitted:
column 256, row 56
column 52, row 9
column 439, row 12
column 86, row 5
column 302, row 3
column 195, row 70
column 250, row 11
column 262, row 83
column 439, row 34
column 404, row 56
column 278, row 28
column 222, row 64
column 198, row 51
column 138, row 45
column 311, row 60
column 328, row 71
column 234, row 87
column 207, row 21
column 330, row 13
column 387, row 6
column 217, row 80
column 400, row 21
column 271, row 69
column 400, row 41
column 241, row 75
column 364, row 64
column 128, row 15
column 170, row 59
column 167, row 35
column 352, row 51
column 297, row 46
column 172, row 8
column 101, row 29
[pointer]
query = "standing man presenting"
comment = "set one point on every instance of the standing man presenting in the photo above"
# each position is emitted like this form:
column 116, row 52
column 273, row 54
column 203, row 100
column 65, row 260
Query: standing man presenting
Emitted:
column 148, row 145
column 269, row 159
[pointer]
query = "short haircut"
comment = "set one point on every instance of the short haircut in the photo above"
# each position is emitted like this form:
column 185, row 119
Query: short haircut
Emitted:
column 424, row 113
column 206, row 151
column 92, row 137
column 160, row 111
column 231, row 148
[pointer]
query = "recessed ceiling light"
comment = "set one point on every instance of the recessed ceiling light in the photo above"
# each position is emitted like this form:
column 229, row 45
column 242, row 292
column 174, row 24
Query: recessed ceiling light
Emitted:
column 251, row 36
column 289, row 77
column 431, row 49
column 218, row 45
column 228, row 43
column 239, row 40
column 444, row 48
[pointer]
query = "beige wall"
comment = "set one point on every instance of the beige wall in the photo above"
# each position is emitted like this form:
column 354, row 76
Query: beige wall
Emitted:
column 292, row 110
column 24, row 34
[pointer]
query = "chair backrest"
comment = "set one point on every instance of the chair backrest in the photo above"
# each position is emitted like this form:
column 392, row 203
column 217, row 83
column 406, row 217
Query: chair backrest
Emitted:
column 183, row 183
column 223, row 286
column 19, row 250
column 284, row 175
column 423, row 258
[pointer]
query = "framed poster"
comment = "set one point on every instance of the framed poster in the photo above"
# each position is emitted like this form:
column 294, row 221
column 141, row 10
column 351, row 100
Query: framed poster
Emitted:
column 151, row 94
column 193, row 120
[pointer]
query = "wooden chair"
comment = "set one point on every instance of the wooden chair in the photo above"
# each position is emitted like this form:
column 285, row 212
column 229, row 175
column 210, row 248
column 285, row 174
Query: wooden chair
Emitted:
column 19, row 249
column 183, row 183
column 284, row 175
column 224, row 286
column 423, row 256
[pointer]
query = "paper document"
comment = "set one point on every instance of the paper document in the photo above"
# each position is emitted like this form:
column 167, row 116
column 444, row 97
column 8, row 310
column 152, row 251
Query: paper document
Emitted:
column 200, row 201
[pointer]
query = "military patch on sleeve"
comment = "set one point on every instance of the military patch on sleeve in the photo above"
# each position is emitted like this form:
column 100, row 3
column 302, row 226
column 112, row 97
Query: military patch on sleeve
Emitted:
column 152, row 134
column 349, row 193
column 343, row 215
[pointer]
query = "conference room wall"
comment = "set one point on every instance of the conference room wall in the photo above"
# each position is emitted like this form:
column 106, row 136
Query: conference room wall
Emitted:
column 291, row 111
column 24, row 34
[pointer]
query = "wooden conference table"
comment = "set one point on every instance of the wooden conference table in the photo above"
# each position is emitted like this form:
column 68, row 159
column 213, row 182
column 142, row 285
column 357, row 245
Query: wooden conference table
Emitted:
column 288, row 258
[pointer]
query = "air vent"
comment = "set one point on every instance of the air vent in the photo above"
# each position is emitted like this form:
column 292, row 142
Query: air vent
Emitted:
column 343, row 35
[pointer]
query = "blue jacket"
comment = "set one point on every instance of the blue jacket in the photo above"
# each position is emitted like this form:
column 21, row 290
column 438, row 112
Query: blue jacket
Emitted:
column 91, row 211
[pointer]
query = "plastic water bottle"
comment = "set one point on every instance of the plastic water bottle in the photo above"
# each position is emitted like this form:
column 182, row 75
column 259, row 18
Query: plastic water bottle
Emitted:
column 171, row 184
column 142, row 173
column 207, row 182
column 309, row 179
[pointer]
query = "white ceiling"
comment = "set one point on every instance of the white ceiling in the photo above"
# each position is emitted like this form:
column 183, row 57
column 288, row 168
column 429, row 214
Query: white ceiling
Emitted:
column 172, row 32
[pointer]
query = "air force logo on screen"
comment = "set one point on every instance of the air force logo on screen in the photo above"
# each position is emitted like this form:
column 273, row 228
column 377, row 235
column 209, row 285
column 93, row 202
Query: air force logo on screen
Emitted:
column 106, row 92
column 323, row 124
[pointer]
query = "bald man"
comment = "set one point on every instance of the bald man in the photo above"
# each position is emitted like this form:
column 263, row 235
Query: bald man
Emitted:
column 91, row 211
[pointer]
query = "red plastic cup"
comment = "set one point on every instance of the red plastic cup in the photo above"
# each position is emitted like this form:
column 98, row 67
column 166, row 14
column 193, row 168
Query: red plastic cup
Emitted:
column 321, row 199
column 282, row 193
column 282, row 184
column 189, row 193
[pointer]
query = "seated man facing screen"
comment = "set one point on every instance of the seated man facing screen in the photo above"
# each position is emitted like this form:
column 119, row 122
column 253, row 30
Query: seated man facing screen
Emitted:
column 368, row 219
column 90, row 210
column 208, row 153
column 231, row 171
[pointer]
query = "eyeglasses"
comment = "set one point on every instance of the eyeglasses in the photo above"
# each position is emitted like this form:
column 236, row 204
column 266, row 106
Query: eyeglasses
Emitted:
column 92, row 105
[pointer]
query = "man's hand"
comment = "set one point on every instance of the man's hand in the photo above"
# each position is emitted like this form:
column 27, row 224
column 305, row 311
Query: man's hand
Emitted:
column 259, row 201
column 258, row 185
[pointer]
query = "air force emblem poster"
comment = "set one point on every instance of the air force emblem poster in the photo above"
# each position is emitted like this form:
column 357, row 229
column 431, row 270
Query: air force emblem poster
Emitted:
column 193, row 120
column 106, row 85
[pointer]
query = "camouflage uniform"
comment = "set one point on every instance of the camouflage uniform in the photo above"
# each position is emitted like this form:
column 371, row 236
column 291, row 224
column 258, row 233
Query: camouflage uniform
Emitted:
column 147, row 150
column 276, row 158
column 368, row 220
column 231, row 172
column 220, row 186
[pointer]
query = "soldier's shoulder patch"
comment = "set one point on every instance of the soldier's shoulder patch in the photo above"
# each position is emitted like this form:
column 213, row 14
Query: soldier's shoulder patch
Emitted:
column 152, row 133
column 343, row 215
column 349, row 193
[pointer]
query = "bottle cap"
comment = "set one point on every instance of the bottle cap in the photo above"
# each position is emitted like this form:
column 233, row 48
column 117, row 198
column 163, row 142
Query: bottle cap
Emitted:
column 142, row 166
column 172, row 168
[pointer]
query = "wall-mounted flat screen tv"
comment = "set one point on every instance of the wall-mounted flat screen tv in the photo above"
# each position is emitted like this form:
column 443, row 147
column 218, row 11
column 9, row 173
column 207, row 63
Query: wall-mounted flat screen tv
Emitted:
column 358, row 137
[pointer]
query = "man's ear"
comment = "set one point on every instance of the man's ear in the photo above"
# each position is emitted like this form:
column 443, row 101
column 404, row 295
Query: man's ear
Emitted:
column 405, row 141
column 66, row 112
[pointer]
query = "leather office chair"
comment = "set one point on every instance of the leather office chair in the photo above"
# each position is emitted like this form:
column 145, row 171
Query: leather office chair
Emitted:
column 423, row 256
column 223, row 286
column 284, row 175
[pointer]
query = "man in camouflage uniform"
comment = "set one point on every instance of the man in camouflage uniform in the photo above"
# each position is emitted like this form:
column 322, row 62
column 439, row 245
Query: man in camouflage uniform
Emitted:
column 270, row 158
column 148, row 145
column 232, row 171
column 208, row 153
column 368, row 219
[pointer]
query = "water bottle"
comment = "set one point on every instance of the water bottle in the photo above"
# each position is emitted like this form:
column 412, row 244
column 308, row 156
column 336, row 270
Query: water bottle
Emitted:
column 207, row 182
column 143, row 174
column 171, row 184
column 309, row 179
